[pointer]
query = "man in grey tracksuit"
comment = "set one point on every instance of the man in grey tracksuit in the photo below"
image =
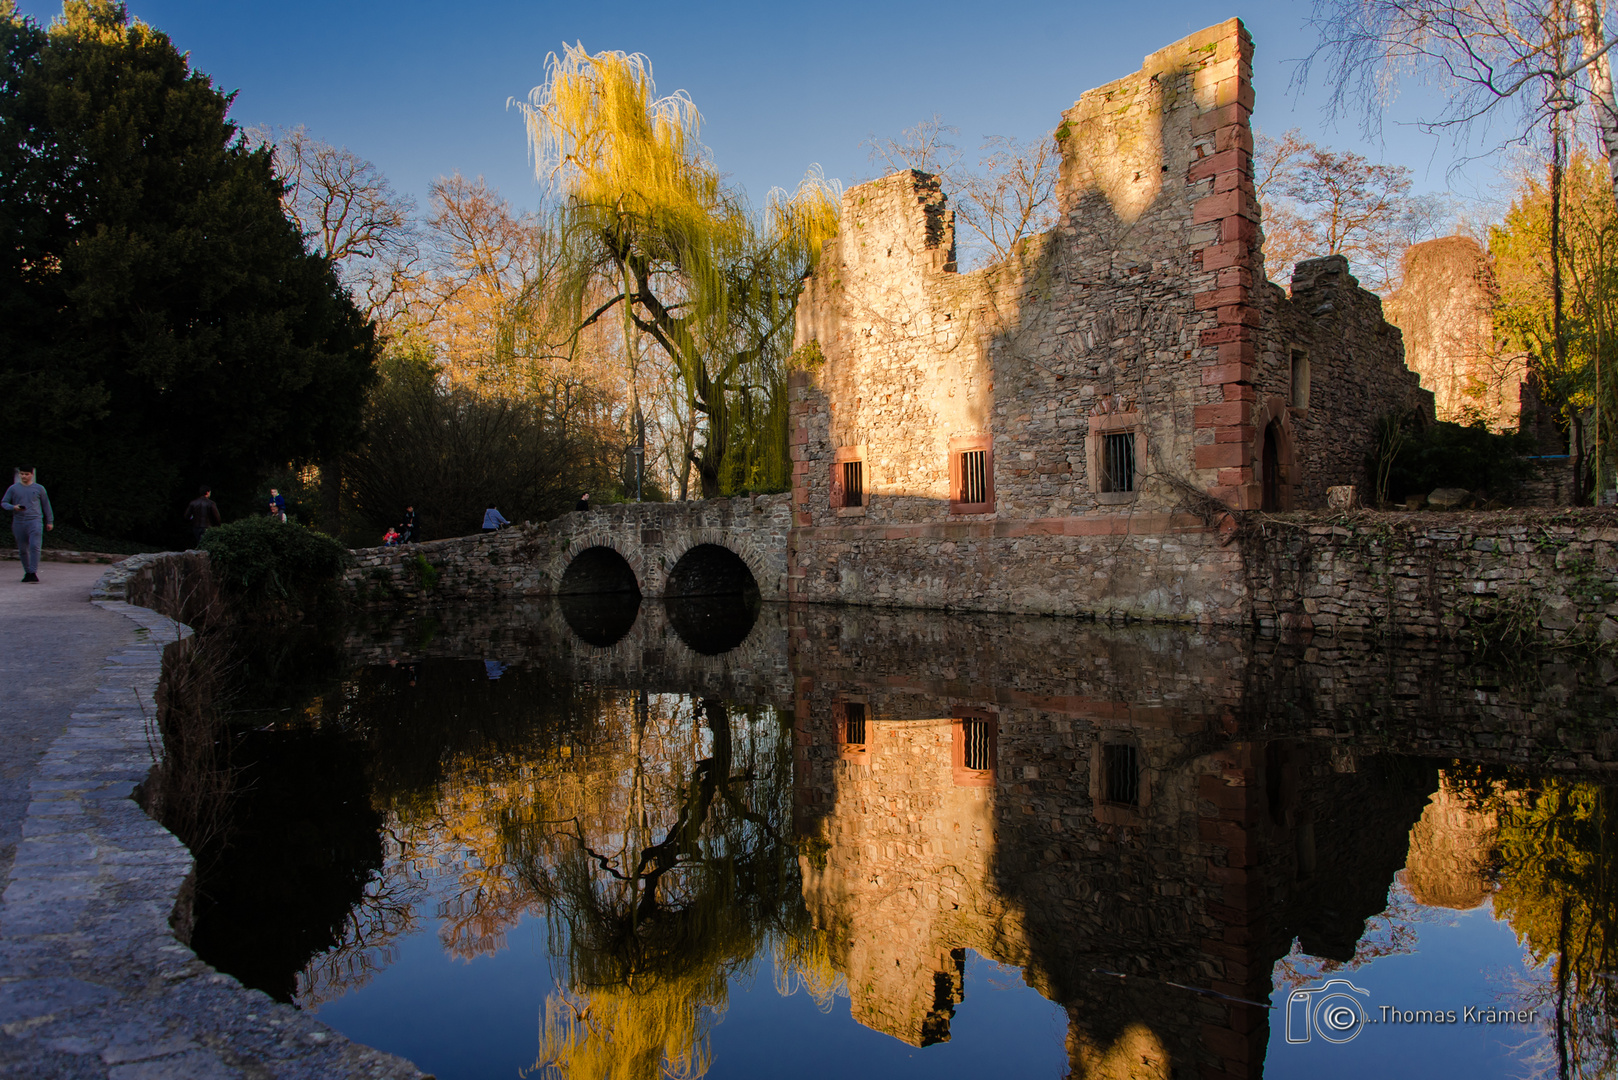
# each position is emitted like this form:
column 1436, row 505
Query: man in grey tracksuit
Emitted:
column 31, row 516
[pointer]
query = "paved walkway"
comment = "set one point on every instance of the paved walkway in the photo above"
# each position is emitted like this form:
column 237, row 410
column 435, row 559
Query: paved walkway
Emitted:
column 55, row 642
column 93, row 983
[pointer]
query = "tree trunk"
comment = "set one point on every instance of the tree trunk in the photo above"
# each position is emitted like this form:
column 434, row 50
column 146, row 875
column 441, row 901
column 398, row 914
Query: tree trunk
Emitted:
column 1601, row 92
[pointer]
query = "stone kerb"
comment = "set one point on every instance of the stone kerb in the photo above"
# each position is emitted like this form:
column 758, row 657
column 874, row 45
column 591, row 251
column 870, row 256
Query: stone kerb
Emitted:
column 95, row 982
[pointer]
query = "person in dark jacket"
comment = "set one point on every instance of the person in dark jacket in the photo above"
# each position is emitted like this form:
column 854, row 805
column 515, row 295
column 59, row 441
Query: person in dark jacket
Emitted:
column 202, row 514
column 407, row 526
column 583, row 503
column 31, row 518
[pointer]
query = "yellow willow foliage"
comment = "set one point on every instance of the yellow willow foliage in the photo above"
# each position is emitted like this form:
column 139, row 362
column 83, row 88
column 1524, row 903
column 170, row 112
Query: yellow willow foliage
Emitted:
column 626, row 1033
column 804, row 960
column 649, row 219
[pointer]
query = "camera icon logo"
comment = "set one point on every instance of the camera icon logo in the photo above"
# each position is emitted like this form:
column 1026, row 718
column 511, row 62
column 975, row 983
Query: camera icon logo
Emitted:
column 1330, row 1010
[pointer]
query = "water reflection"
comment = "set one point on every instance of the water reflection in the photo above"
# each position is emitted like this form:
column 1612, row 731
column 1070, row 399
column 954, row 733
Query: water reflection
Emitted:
column 602, row 620
column 1159, row 828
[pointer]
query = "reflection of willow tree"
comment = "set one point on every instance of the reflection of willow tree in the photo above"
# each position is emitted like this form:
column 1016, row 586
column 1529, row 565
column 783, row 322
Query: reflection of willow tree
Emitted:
column 653, row 831
column 1558, row 890
column 659, row 892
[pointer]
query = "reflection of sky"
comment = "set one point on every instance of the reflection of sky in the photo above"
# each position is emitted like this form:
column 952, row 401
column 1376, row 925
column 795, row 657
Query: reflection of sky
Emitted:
column 1458, row 959
column 462, row 1020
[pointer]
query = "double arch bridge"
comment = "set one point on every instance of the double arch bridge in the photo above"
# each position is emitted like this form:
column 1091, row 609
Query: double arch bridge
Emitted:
column 711, row 547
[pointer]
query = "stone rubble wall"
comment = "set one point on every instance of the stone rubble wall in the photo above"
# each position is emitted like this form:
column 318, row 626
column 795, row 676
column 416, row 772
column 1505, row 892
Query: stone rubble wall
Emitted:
column 1445, row 307
column 529, row 560
column 1438, row 575
column 1550, row 484
column 1356, row 373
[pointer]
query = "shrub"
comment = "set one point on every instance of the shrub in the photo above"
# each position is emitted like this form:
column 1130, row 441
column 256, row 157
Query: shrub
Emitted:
column 1412, row 460
column 261, row 558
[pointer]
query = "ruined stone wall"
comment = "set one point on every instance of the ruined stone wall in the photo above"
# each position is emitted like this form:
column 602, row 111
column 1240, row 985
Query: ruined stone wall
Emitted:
column 1504, row 576
column 1143, row 315
column 1328, row 367
column 1445, row 307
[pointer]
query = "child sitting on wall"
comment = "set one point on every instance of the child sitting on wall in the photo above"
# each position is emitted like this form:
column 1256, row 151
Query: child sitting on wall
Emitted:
column 390, row 538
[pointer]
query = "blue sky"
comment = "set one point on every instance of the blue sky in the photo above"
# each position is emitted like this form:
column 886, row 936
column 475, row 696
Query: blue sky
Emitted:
column 421, row 89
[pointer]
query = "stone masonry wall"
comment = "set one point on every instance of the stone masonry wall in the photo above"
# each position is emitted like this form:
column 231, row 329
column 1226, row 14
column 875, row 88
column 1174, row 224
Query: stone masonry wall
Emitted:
column 1143, row 313
column 1435, row 575
column 1353, row 372
column 1445, row 307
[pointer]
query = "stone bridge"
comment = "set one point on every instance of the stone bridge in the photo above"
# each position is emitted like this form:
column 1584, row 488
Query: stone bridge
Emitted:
column 702, row 548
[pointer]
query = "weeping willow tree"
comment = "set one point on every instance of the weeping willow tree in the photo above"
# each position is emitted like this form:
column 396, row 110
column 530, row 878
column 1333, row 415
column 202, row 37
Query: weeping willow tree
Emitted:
column 656, row 239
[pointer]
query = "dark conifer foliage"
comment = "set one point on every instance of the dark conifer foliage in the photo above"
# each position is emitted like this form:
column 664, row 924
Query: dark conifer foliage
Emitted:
column 161, row 325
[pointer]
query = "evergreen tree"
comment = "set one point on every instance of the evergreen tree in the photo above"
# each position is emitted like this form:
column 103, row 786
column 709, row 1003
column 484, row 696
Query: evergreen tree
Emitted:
column 161, row 325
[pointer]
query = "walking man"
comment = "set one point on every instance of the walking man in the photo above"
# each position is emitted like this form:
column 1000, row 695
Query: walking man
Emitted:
column 407, row 527
column 202, row 513
column 31, row 518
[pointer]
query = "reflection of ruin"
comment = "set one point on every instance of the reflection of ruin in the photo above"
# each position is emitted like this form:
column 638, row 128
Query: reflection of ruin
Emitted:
column 1114, row 818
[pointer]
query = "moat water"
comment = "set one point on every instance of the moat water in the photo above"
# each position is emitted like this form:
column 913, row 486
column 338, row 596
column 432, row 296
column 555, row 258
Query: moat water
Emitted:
column 611, row 839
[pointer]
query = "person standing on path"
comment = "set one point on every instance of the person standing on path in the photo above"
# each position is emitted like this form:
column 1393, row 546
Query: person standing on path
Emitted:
column 202, row 513
column 31, row 518
column 407, row 527
column 493, row 519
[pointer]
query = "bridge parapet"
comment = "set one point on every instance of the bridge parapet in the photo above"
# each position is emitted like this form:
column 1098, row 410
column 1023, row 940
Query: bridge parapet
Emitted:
column 530, row 560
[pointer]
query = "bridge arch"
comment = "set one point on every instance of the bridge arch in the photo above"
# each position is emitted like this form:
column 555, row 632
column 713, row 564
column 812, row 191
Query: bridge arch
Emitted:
column 598, row 562
column 710, row 570
column 699, row 546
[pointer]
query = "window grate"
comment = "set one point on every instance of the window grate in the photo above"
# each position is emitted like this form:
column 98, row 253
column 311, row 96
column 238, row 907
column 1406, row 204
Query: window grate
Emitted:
column 1121, row 761
column 974, row 476
column 854, row 723
column 1118, row 462
column 853, row 483
column 975, row 738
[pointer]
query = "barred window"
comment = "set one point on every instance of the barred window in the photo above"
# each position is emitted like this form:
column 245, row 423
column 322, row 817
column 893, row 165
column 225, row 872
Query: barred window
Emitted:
column 853, row 483
column 854, row 723
column 1118, row 462
column 974, row 477
column 976, row 754
column 1121, row 764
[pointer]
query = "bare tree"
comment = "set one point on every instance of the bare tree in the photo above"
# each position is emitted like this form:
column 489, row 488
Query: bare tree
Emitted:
column 1487, row 54
column 1319, row 201
column 347, row 212
column 1288, row 236
column 925, row 147
column 1012, row 196
column 1009, row 196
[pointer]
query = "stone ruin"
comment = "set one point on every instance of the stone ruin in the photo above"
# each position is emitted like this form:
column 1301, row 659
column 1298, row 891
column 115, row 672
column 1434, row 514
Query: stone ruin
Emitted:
column 1066, row 429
